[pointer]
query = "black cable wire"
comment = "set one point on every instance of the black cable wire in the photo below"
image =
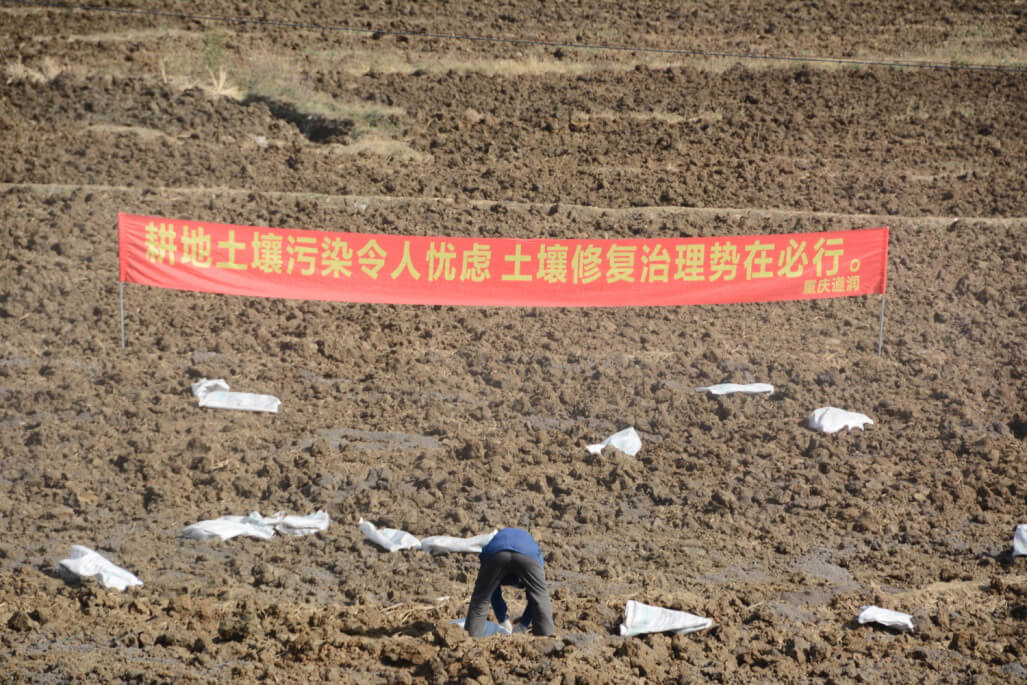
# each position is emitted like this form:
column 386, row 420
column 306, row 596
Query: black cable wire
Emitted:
column 513, row 41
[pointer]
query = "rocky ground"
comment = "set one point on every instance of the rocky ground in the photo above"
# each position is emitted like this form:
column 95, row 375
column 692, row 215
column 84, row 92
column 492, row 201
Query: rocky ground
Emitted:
column 454, row 420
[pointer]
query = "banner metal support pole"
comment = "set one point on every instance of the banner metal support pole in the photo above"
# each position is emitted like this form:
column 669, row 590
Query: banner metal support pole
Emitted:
column 122, row 315
column 880, row 334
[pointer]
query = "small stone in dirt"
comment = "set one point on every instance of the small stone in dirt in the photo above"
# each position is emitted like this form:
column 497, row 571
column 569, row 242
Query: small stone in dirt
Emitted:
column 21, row 622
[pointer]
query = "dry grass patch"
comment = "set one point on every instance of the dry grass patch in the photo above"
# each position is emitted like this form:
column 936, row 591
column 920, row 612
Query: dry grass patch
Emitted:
column 379, row 147
column 46, row 71
column 537, row 62
column 23, row 10
column 219, row 86
column 214, row 64
column 280, row 79
column 972, row 44
column 182, row 67
column 126, row 36
column 359, row 61
column 216, row 84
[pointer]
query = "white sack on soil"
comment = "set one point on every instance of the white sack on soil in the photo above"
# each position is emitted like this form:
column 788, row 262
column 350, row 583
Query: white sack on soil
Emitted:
column 394, row 540
column 490, row 627
column 257, row 526
column 726, row 388
column 294, row 525
column 228, row 527
column 443, row 544
column 626, row 441
column 390, row 539
column 832, row 419
column 886, row 617
column 1020, row 541
column 215, row 393
column 644, row 618
column 85, row 563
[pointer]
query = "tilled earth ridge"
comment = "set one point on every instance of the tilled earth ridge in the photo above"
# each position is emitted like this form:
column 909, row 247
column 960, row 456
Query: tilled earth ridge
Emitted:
column 874, row 143
column 458, row 420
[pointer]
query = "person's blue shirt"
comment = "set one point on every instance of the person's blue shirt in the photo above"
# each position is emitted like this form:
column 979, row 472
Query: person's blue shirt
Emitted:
column 511, row 540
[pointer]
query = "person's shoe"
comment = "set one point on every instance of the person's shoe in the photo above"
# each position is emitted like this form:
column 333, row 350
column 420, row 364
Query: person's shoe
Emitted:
column 506, row 625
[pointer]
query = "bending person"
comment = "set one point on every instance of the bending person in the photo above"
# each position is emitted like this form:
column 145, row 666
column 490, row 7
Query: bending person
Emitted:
column 512, row 557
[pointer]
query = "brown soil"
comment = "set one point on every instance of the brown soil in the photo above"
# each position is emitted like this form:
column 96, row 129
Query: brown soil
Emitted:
column 457, row 420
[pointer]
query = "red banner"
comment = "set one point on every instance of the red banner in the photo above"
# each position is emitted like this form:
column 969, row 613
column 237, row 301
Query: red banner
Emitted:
column 362, row 267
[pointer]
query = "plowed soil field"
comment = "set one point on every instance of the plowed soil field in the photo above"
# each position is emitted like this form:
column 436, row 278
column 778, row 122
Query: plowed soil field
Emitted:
column 392, row 118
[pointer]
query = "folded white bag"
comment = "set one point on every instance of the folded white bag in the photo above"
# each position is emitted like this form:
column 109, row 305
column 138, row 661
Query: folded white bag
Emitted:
column 490, row 627
column 443, row 544
column 644, row 618
column 832, row 419
column 390, row 539
column 626, row 441
column 726, row 388
column 85, row 563
column 257, row 526
column 1020, row 541
column 294, row 525
column 228, row 527
column 886, row 617
column 216, row 394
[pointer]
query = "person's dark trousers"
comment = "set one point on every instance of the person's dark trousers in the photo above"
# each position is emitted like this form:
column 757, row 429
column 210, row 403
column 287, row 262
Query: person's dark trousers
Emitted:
column 492, row 572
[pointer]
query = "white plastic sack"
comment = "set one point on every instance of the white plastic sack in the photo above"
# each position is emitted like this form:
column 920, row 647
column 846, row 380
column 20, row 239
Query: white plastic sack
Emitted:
column 257, row 526
column 206, row 386
column 644, row 618
column 886, row 617
column 294, row 525
column 726, row 388
column 490, row 627
column 394, row 540
column 832, row 419
column 390, row 539
column 85, row 563
column 442, row 544
column 626, row 441
column 228, row 527
column 1020, row 541
column 216, row 394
